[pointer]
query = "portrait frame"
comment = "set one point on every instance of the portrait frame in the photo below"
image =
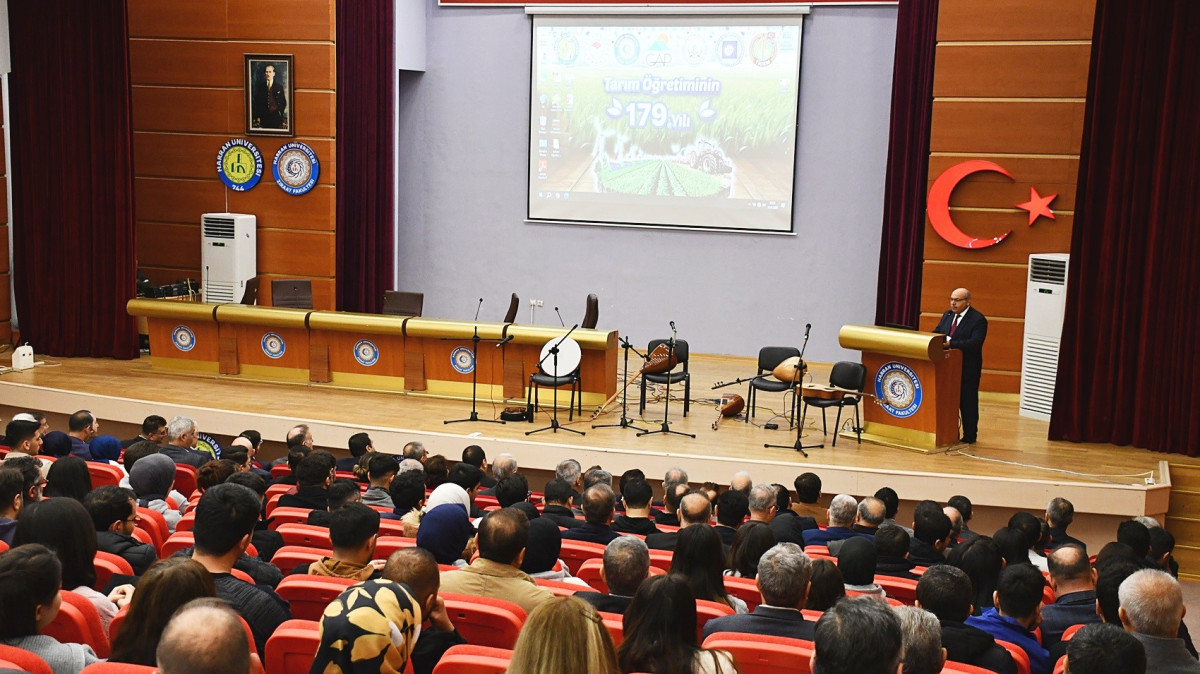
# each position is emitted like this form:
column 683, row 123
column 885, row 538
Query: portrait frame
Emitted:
column 263, row 119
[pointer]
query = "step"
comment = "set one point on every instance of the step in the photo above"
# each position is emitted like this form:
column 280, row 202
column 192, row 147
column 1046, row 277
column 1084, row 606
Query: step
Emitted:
column 1186, row 530
column 1188, row 557
column 1185, row 476
column 1183, row 502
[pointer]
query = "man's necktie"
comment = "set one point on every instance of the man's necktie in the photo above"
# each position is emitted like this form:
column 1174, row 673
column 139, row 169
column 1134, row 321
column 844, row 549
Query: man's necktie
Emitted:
column 954, row 324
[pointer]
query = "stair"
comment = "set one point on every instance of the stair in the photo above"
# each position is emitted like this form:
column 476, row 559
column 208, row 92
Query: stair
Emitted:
column 1183, row 518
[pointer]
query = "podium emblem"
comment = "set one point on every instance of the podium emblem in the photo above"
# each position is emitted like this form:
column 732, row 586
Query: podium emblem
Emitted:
column 366, row 353
column 899, row 389
column 183, row 338
column 463, row 360
column 273, row 345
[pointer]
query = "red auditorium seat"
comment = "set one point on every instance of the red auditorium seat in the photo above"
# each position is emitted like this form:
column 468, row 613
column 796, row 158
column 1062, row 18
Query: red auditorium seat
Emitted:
column 155, row 525
column 901, row 589
column 117, row 668
column 290, row 556
column 386, row 545
column 186, row 522
column 292, row 646
column 305, row 534
column 761, row 654
column 24, row 660
column 745, row 589
column 661, row 559
column 615, row 624
column 3, row 546
column 107, row 565
column 78, row 622
column 309, row 595
column 178, row 541
column 143, row 536
column 104, row 474
column 287, row 515
column 279, row 489
column 1019, row 656
column 575, row 553
column 560, row 588
column 963, row 668
column 707, row 610
column 280, row 470
column 185, row 478
column 1061, row 665
column 468, row 659
column 1070, row 632
column 391, row 527
column 484, row 621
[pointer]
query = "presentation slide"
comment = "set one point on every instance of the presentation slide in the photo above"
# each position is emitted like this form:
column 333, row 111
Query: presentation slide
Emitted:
column 664, row 121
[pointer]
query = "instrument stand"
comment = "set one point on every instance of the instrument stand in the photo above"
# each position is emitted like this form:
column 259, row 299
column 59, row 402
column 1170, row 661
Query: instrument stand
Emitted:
column 625, row 422
column 554, row 426
column 797, row 375
column 475, row 340
column 666, row 424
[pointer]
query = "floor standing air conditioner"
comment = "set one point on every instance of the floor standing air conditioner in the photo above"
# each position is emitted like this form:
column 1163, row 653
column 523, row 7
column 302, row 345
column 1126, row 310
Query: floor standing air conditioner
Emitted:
column 228, row 255
column 1045, row 303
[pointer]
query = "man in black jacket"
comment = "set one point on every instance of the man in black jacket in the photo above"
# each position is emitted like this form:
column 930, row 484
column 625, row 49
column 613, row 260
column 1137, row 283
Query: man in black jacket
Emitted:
column 313, row 475
column 114, row 514
column 626, row 565
column 557, row 500
column 891, row 544
column 787, row 526
column 636, row 520
column 599, row 505
column 931, row 535
column 945, row 591
column 965, row 329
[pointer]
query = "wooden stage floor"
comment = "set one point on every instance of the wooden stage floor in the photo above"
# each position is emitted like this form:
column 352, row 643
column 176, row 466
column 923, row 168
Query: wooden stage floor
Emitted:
column 1013, row 464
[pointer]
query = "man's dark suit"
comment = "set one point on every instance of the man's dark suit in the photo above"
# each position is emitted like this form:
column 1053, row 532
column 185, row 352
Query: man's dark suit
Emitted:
column 968, row 337
column 766, row 620
column 609, row 603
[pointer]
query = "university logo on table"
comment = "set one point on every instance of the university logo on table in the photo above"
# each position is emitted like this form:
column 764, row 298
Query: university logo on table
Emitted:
column 899, row 389
column 463, row 360
column 366, row 353
column 183, row 338
column 273, row 345
column 239, row 164
column 296, row 168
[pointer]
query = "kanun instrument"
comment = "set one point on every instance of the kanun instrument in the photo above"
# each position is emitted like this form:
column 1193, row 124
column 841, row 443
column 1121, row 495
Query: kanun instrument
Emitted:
column 661, row 359
column 731, row 405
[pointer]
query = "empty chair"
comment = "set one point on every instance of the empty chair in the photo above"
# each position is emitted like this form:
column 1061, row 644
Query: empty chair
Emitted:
column 386, row 545
column 250, row 297
column 761, row 654
column 901, row 589
column 845, row 375
column 591, row 314
column 153, row 523
column 484, row 621
column 295, row 293
column 513, row 305
column 309, row 595
column 469, row 659
column 672, row 375
column 401, row 303
column 292, row 646
column 286, row 515
column 769, row 358
column 560, row 588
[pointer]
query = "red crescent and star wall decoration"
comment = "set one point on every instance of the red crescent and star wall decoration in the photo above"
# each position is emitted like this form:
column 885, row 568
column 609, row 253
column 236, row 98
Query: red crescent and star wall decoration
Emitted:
column 938, row 204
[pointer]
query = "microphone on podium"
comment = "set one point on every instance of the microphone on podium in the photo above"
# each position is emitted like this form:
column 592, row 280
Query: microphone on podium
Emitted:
column 478, row 307
column 560, row 320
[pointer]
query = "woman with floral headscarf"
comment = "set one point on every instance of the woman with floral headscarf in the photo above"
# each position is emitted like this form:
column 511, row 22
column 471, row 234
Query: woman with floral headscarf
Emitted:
column 371, row 627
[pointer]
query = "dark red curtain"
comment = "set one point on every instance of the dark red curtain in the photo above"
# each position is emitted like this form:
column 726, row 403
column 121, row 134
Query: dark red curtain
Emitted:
column 898, row 299
column 1128, row 370
column 366, row 98
column 72, row 177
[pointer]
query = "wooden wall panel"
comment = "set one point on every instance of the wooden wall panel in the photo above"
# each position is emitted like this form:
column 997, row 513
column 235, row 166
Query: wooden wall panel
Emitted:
column 1046, row 236
column 285, row 251
column 192, row 110
column 169, row 244
column 172, row 200
column 282, row 20
column 278, row 209
column 1045, row 70
column 180, row 155
column 5, row 312
column 999, row 290
column 1050, row 174
column 178, row 18
column 205, row 63
column 1007, row 126
column 1000, row 382
column 1011, row 20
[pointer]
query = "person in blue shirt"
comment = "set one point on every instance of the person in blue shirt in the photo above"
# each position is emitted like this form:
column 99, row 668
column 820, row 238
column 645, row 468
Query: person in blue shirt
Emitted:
column 1017, row 613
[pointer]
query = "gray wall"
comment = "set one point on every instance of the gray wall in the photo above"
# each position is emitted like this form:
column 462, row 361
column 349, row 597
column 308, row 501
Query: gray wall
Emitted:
column 463, row 138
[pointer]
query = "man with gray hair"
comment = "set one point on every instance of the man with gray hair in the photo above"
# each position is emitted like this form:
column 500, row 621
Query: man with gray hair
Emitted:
column 223, row 650
column 871, row 514
column 1151, row 610
column 675, row 475
column 626, row 565
column 503, row 466
column 181, row 443
column 415, row 450
column 571, row 471
column 762, row 503
column 923, row 652
column 596, row 476
column 411, row 466
column 741, row 482
column 783, row 575
column 843, row 513
column 859, row 635
column 599, row 506
column 1059, row 514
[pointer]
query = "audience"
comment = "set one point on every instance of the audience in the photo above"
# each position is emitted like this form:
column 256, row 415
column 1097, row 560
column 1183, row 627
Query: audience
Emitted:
column 956, row 524
column 446, row 532
column 467, row 476
column 963, row 505
column 892, row 543
column 114, row 514
column 82, row 427
column 12, row 484
column 856, row 560
column 32, row 479
column 825, row 587
column 945, row 591
column 1059, row 514
column 163, row 589
column 23, row 437
column 68, row 478
column 1017, row 613
column 381, row 470
column 360, row 445
column 931, row 535
column 660, row 632
column 1074, row 583
column 783, row 576
column 1136, row 536
column 313, row 476
column 151, row 480
column 571, row 472
column 30, row 577
column 154, row 429
column 980, row 558
column 637, row 495
column 57, row 444
column 860, row 635
column 626, row 565
column 672, row 495
column 503, row 535
column 106, row 449
column 843, row 513
column 416, row 569
column 181, row 443
column 891, row 506
column 1151, row 610
column 922, row 637
column 353, row 531
column 564, row 636
column 512, row 491
column 1031, row 536
column 699, row 559
column 1108, row 585
column 557, row 499
column 870, row 516
column 599, row 506
column 541, row 553
column 223, row 650
column 787, row 526
column 1103, row 648
column 752, row 540
column 694, row 510
column 808, row 495
column 216, row 472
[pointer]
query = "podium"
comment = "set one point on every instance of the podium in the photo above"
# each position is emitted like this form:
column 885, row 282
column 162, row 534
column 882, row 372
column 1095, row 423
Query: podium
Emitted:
column 916, row 382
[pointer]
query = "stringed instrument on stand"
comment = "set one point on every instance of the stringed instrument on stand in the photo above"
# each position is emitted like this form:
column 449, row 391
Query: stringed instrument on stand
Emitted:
column 731, row 405
column 661, row 359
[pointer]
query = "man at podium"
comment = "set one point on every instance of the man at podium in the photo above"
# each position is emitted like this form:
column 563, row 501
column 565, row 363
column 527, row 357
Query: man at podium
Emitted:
column 965, row 329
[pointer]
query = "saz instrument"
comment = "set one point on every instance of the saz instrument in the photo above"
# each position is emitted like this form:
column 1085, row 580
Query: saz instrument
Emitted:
column 661, row 359
column 790, row 370
column 731, row 405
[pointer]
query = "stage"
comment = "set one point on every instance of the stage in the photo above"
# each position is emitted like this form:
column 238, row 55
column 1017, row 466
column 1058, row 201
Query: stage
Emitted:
column 1012, row 466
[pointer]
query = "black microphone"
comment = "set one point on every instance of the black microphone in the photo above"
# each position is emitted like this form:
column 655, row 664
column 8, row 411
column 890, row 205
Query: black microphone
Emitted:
column 807, row 327
column 560, row 320
column 504, row 341
column 478, row 307
column 672, row 326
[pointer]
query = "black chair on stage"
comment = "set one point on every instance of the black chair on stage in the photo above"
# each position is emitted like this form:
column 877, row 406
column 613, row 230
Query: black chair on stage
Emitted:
column 543, row 378
column 250, row 297
column 672, row 376
column 591, row 315
column 769, row 357
column 513, row 306
column 400, row 303
column 846, row 375
column 292, row 293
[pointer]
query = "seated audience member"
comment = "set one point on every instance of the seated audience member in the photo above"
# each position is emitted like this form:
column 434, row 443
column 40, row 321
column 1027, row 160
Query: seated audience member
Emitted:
column 1103, row 648
column 626, row 565
column 699, row 558
column 541, row 553
column 860, row 635
column 752, row 540
column 946, row 592
column 353, row 530
column 294, row 456
column 446, row 531
column 825, row 586
column 870, row 517
column 136, row 452
column 564, row 636
column 11, row 485
column 787, row 526
column 300, row 435
column 931, row 536
column 181, row 443
column 114, row 514
column 250, row 441
column 165, row 587
column 381, row 470
column 557, row 499
column 63, row 525
column 1059, row 514
column 504, row 465
column 660, row 632
column 313, row 476
column 982, row 561
column 891, row 544
column 33, row 481
column 414, row 450
column 68, row 478
column 30, row 577
column 672, row 495
column 225, row 519
column 1151, row 610
column 1108, row 584
column 214, row 473
column 82, row 426
column 360, row 445
column 1162, row 544
column 808, row 496
column 1074, row 583
column 106, row 449
column 22, row 437
column 891, row 505
column 151, row 480
column 266, row 541
column 1011, row 542
column 416, row 569
column 694, row 510
column 1114, row 551
column 1031, row 535
column 1017, row 612
column 240, row 457
column 964, row 507
column 437, row 471
column 742, row 482
column 923, row 652
column 637, row 495
column 512, row 491
column 783, row 576
column 761, row 503
column 467, row 476
column 224, row 648
column 408, row 498
column 473, row 455
column 1135, row 534
column 732, row 507
column 599, row 505
column 956, row 525
column 503, row 535
column 843, row 513
column 57, row 444
column 856, row 560
column 154, row 429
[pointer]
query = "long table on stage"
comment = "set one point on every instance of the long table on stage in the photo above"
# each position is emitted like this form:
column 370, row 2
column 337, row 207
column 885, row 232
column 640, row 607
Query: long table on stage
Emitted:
column 368, row 351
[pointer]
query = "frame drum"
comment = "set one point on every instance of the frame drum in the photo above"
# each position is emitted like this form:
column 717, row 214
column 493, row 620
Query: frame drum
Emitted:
column 569, row 357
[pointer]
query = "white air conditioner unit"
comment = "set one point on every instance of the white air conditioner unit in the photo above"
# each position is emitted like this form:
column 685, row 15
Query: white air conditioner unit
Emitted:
column 1045, row 304
column 229, row 249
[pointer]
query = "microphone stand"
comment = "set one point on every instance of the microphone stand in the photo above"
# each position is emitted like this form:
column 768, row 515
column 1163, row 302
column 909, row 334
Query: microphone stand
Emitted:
column 666, row 425
column 475, row 340
column 554, row 426
column 799, row 446
column 626, row 422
